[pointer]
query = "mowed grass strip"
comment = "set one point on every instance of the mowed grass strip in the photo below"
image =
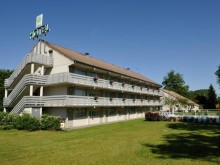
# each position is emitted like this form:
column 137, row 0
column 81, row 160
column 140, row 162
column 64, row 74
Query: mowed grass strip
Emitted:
column 131, row 142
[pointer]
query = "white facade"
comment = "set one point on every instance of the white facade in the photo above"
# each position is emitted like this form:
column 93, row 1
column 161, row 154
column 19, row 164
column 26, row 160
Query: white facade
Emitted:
column 48, row 82
column 166, row 94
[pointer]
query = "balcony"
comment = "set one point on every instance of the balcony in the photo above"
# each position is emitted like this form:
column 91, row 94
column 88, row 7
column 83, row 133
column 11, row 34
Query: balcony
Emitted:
column 78, row 101
column 30, row 58
column 71, row 78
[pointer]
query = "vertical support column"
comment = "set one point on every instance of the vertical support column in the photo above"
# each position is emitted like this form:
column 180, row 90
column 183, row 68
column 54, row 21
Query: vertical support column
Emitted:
column 31, row 90
column 128, row 115
column 104, row 115
column 31, row 86
column 117, row 114
column 32, row 68
column 6, row 95
column 88, row 116
column 136, row 112
column 42, row 88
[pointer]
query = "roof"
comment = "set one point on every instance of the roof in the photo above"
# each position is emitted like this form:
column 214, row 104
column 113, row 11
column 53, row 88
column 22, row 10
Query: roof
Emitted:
column 176, row 95
column 78, row 57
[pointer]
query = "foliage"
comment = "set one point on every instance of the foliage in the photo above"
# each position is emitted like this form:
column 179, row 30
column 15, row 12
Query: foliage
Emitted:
column 217, row 73
column 218, row 99
column 50, row 122
column 3, row 75
column 7, row 119
column 200, row 97
column 212, row 98
column 27, row 122
column 174, row 82
column 152, row 116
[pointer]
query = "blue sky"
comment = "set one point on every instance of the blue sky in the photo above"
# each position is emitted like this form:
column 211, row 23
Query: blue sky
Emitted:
column 151, row 37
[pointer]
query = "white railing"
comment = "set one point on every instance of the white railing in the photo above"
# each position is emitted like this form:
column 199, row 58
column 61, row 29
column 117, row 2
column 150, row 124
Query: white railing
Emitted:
column 30, row 58
column 28, row 79
column 72, row 78
column 78, row 101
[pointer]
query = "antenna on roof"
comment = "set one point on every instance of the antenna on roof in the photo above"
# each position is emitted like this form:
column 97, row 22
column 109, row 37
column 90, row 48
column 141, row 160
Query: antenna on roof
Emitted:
column 40, row 28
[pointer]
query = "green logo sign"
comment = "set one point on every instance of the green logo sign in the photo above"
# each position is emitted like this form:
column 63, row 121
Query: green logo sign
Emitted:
column 39, row 20
column 39, row 31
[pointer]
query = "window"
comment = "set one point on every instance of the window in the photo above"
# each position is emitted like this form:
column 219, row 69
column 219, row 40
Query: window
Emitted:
column 111, row 111
column 79, row 71
column 122, row 112
column 94, row 113
column 92, row 74
column 80, row 113
column 133, row 110
column 139, row 110
column 79, row 92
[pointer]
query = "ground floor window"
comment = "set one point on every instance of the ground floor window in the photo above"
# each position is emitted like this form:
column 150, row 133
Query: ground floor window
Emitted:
column 133, row 110
column 122, row 112
column 95, row 113
column 112, row 112
column 139, row 110
column 79, row 113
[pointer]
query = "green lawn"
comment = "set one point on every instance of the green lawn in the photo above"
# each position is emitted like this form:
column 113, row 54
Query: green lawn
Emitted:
column 132, row 142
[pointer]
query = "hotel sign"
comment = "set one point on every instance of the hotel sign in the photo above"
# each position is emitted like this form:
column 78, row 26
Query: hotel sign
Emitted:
column 39, row 20
column 40, row 29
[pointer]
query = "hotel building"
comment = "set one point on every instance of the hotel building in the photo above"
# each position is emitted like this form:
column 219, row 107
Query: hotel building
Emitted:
column 82, row 90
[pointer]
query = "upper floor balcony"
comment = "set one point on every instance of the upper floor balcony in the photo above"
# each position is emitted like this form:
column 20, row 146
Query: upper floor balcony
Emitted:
column 30, row 58
column 72, row 78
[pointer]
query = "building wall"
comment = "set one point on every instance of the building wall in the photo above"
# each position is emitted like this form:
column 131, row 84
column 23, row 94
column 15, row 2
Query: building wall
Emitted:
column 68, row 115
column 56, row 90
column 167, row 108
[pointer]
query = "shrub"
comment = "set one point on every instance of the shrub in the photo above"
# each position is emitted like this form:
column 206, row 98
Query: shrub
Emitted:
column 2, row 117
column 6, row 120
column 174, row 118
column 152, row 116
column 50, row 123
column 26, row 122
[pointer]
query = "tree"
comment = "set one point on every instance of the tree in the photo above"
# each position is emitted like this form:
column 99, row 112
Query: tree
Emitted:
column 174, row 82
column 217, row 73
column 212, row 98
column 3, row 75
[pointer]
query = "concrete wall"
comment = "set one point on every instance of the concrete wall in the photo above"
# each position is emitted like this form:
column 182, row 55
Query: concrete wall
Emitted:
column 61, row 63
column 71, row 121
column 55, row 90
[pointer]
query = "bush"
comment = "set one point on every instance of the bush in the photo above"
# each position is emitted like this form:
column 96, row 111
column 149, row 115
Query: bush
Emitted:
column 2, row 117
column 50, row 123
column 152, row 116
column 26, row 122
column 6, row 120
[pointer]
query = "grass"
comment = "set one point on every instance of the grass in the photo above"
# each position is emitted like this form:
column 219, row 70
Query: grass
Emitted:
column 134, row 142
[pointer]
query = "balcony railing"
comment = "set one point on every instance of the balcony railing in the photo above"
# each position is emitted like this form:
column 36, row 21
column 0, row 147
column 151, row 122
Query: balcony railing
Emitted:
column 78, row 101
column 71, row 78
column 30, row 58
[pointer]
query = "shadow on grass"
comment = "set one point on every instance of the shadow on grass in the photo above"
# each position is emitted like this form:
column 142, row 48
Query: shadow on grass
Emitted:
column 201, row 142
